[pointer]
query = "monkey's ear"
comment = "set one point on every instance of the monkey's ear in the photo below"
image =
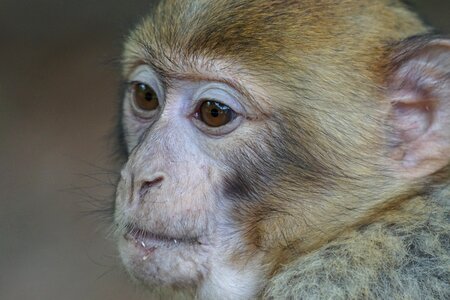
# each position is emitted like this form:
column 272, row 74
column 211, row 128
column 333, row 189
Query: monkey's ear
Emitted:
column 419, row 90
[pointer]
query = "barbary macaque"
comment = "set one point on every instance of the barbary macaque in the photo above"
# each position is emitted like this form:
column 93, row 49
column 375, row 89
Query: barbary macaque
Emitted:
column 286, row 150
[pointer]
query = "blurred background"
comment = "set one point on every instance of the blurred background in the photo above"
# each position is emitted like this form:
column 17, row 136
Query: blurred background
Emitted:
column 59, row 94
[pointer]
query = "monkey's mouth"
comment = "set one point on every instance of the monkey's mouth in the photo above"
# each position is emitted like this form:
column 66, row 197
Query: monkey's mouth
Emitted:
column 150, row 241
column 154, row 258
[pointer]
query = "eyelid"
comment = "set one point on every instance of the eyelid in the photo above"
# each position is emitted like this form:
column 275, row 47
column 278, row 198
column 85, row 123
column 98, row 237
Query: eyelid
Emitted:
column 221, row 93
column 144, row 74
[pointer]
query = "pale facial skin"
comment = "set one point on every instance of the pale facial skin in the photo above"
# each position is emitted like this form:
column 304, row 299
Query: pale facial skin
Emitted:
column 173, row 224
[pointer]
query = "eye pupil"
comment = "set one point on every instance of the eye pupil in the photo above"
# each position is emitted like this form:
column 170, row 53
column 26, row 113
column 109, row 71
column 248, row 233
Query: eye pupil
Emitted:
column 215, row 114
column 149, row 96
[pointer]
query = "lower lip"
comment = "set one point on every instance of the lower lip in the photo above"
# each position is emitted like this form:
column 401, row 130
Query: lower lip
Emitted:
column 147, row 246
column 148, row 243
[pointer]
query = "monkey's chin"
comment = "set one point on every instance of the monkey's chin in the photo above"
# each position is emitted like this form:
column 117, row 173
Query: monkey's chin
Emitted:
column 156, row 260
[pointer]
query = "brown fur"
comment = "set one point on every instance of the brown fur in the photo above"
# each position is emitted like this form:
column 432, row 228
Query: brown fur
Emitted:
column 315, row 192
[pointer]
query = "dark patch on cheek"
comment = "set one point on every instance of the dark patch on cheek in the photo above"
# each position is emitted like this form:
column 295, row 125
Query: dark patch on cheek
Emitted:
column 257, row 168
column 252, row 172
column 240, row 185
column 276, row 162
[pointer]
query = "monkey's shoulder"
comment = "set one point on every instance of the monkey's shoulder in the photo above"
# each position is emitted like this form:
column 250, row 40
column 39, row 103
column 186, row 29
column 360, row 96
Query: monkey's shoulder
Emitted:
column 384, row 260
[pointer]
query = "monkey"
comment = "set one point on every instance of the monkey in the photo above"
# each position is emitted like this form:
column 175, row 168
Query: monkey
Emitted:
column 285, row 150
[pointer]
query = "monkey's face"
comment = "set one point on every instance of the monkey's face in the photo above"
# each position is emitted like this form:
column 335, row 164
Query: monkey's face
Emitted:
column 227, row 166
column 172, row 208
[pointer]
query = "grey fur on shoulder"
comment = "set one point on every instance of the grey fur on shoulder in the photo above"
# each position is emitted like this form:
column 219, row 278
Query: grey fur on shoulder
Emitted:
column 380, row 261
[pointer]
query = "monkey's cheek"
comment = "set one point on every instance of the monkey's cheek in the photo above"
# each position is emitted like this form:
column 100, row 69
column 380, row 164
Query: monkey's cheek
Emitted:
column 181, row 265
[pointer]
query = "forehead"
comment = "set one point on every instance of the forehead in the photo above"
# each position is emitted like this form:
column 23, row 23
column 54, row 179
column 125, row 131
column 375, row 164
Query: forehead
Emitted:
column 179, row 34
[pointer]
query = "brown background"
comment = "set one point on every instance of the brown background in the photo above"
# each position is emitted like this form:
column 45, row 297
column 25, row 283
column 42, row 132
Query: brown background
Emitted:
column 58, row 97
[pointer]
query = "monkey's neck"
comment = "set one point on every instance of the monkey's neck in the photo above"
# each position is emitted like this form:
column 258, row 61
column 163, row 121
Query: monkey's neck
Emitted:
column 405, row 253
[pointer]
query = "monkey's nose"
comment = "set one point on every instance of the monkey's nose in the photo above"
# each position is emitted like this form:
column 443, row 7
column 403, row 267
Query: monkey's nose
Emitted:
column 146, row 185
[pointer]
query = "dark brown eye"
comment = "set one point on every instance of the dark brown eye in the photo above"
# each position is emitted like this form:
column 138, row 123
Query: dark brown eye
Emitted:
column 215, row 114
column 144, row 96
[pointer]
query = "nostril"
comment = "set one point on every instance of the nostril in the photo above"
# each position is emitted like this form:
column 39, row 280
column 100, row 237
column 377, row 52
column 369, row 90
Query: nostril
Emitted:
column 146, row 185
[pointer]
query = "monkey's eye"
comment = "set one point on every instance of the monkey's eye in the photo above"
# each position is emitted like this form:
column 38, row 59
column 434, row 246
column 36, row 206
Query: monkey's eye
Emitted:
column 144, row 96
column 215, row 114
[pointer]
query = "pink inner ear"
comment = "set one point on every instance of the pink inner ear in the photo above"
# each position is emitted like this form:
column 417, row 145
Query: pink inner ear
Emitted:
column 412, row 119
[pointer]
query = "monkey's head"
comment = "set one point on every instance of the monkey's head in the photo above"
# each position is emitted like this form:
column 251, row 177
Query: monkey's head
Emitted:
column 256, row 131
